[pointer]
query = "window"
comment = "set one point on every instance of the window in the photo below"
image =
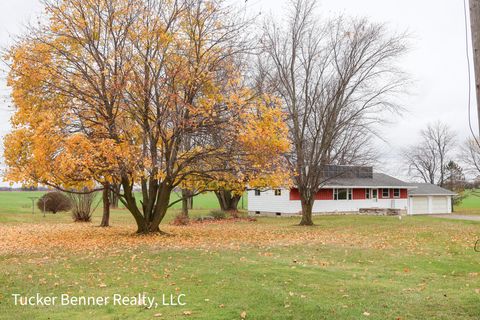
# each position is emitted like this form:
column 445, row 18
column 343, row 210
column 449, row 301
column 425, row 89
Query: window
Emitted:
column 278, row 192
column 367, row 193
column 257, row 192
column 342, row 194
column 385, row 193
column 396, row 193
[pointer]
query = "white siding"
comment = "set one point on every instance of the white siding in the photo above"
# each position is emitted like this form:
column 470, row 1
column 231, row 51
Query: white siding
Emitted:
column 267, row 202
column 355, row 205
column 430, row 204
column 439, row 204
column 419, row 205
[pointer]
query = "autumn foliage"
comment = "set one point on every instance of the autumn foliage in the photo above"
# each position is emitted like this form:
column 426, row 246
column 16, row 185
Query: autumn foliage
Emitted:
column 141, row 93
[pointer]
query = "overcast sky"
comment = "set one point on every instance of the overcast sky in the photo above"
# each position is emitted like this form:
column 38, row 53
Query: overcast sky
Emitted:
column 436, row 62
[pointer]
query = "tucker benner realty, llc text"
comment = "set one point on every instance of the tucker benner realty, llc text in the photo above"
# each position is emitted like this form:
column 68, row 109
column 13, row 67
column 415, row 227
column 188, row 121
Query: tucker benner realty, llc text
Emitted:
column 141, row 299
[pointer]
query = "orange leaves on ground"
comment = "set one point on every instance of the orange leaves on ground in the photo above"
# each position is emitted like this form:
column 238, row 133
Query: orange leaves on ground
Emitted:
column 75, row 237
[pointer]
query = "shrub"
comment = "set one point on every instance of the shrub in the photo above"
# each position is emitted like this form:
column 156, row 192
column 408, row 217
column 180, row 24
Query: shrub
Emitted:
column 83, row 206
column 181, row 220
column 218, row 214
column 234, row 214
column 54, row 202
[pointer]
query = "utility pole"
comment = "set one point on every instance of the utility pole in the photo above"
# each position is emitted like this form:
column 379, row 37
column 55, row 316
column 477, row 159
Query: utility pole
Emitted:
column 475, row 30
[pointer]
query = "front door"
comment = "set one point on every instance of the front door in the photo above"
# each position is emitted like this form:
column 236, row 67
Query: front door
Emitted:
column 374, row 194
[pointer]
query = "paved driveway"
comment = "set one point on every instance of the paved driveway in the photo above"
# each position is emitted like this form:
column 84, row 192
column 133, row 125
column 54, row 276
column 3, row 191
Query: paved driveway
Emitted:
column 457, row 217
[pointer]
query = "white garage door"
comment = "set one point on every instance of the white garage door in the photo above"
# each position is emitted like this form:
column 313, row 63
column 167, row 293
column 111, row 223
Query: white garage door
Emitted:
column 419, row 205
column 439, row 205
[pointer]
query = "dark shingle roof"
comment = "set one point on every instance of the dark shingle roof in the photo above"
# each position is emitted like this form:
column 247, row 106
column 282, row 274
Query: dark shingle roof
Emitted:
column 429, row 189
column 379, row 180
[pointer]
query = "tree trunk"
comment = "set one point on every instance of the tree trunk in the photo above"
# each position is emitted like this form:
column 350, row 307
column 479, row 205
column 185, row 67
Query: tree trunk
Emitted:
column 115, row 190
column 106, row 206
column 190, row 203
column 187, row 201
column 155, row 202
column 307, row 207
column 227, row 200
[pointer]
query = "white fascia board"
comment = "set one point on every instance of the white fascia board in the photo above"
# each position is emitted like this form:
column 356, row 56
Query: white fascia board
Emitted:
column 432, row 194
column 369, row 187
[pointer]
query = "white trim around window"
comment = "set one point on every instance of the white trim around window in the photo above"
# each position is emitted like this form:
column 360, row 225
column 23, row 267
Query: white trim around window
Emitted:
column 342, row 194
column 387, row 191
column 396, row 193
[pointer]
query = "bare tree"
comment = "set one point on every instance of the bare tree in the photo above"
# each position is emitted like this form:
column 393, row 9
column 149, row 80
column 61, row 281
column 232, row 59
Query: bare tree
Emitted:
column 335, row 79
column 470, row 156
column 428, row 159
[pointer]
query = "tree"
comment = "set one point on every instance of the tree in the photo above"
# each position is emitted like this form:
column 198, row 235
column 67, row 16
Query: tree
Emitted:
column 334, row 79
column 455, row 181
column 261, row 165
column 428, row 159
column 118, row 88
column 470, row 155
column 54, row 202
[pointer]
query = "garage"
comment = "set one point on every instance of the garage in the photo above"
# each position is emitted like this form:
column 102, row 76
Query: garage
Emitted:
column 419, row 205
column 425, row 198
column 440, row 204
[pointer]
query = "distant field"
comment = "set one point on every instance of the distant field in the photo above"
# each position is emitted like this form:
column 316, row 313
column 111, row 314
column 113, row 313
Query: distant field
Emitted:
column 20, row 202
column 472, row 201
column 14, row 202
column 471, row 204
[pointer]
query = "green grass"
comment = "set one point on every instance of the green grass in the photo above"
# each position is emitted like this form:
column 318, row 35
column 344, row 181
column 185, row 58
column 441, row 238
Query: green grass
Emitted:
column 20, row 202
column 470, row 204
column 352, row 267
column 14, row 203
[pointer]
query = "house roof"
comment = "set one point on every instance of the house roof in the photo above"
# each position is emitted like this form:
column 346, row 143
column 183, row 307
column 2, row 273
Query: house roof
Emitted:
column 427, row 189
column 378, row 180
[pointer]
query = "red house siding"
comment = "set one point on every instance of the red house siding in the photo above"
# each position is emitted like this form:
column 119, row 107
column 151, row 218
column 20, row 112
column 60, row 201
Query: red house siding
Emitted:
column 294, row 194
column 358, row 194
column 323, row 194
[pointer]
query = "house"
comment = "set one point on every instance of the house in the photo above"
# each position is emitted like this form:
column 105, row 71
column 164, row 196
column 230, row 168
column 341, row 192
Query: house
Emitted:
column 354, row 189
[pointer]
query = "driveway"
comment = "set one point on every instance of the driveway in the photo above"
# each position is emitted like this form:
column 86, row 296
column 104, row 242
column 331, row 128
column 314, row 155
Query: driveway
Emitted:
column 457, row 217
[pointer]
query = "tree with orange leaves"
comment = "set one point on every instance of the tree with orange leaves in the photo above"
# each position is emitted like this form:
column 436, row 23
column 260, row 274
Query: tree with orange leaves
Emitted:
column 135, row 92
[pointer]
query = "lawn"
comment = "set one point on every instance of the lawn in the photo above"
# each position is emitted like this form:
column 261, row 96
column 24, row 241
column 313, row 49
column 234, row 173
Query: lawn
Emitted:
column 346, row 267
column 471, row 203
